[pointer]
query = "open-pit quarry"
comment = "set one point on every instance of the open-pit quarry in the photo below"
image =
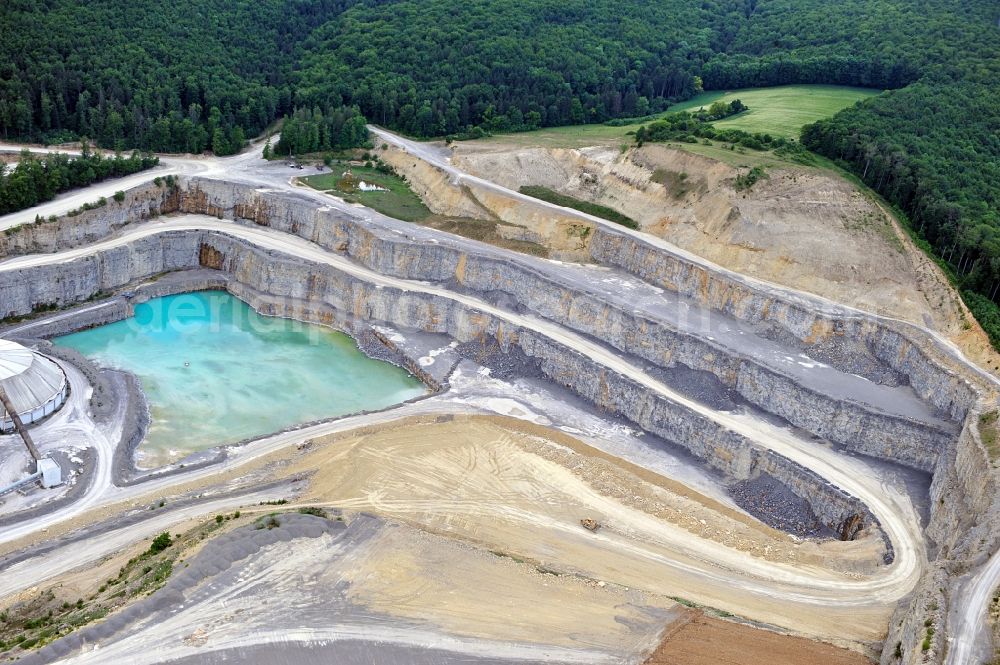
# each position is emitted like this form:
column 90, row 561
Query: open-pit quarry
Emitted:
column 620, row 453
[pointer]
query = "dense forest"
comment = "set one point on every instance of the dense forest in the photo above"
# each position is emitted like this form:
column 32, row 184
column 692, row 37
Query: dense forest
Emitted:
column 312, row 130
column 35, row 179
column 933, row 150
column 207, row 74
column 158, row 75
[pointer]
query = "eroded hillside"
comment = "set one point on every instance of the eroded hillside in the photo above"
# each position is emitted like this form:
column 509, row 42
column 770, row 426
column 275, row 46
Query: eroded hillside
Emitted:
column 801, row 227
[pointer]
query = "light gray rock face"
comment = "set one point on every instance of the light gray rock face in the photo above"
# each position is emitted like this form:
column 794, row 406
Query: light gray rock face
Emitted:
column 521, row 282
column 964, row 524
column 720, row 448
column 335, row 294
column 32, row 289
column 884, row 350
column 55, row 234
column 853, row 342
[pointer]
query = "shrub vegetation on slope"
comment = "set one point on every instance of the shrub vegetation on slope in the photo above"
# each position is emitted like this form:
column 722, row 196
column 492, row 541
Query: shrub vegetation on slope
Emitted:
column 594, row 209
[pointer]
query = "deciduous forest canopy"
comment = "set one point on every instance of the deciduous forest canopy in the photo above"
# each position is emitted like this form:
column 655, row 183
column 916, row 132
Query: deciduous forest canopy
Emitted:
column 206, row 74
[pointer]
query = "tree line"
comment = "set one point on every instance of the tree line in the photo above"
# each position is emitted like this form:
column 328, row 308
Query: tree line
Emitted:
column 933, row 150
column 203, row 75
column 206, row 74
column 36, row 179
column 312, row 130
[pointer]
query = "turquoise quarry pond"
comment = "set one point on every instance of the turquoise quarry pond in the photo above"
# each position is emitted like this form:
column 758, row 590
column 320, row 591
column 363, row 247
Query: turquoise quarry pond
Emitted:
column 215, row 372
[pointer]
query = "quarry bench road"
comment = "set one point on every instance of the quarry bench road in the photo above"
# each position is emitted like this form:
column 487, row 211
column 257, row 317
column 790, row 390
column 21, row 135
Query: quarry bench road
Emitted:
column 893, row 509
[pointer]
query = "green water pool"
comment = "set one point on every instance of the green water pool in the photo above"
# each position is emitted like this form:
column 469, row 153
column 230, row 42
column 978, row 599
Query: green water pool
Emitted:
column 216, row 372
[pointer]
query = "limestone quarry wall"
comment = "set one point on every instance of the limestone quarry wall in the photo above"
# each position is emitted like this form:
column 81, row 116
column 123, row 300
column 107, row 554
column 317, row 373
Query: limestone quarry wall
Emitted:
column 491, row 275
column 60, row 233
column 351, row 298
column 30, row 289
column 844, row 337
column 257, row 271
column 855, row 426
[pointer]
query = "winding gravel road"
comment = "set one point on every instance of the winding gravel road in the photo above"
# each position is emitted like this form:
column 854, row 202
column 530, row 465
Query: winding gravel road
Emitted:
column 969, row 623
column 893, row 508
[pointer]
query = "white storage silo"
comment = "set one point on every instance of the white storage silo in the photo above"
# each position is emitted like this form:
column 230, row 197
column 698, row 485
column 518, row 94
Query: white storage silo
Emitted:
column 35, row 385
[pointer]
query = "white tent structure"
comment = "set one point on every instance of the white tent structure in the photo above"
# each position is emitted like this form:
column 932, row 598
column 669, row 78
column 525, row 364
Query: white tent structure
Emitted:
column 35, row 385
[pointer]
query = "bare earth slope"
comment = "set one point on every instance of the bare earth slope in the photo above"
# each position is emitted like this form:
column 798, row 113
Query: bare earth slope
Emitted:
column 800, row 227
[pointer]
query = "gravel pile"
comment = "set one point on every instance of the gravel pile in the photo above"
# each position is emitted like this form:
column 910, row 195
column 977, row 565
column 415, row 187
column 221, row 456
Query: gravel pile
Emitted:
column 699, row 385
column 514, row 363
column 375, row 348
column 774, row 504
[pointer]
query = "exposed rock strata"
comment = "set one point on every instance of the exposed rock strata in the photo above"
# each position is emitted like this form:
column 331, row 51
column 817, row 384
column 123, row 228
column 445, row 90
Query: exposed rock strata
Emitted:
column 50, row 235
column 964, row 512
column 856, row 426
column 255, row 271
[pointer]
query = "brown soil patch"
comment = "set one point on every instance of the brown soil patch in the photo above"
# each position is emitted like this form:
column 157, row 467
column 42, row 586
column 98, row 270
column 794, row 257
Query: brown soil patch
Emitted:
column 517, row 492
column 478, row 476
column 483, row 231
column 520, row 491
column 418, row 576
column 697, row 639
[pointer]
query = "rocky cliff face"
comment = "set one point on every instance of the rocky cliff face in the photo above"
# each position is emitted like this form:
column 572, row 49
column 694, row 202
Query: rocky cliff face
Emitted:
column 338, row 298
column 60, row 233
column 801, row 227
column 55, row 286
column 963, row 524
column 849, row 340
column 565, row 235
column 520, row 283
column 852, row 341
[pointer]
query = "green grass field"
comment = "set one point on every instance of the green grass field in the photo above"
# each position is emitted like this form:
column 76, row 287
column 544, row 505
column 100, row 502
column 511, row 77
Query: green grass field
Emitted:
column 782, row 110
column 399, row 201
column 779, row 111
column 594, row 209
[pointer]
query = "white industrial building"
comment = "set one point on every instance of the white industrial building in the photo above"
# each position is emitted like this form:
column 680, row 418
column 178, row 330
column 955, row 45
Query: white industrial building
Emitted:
column 34, row 383
column 51, row 474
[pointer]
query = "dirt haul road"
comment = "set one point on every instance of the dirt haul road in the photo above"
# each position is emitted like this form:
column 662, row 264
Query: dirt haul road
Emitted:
column 970, row 617
column 893, row 509
column 246, row 164
column 75, row 198
column 439, row 158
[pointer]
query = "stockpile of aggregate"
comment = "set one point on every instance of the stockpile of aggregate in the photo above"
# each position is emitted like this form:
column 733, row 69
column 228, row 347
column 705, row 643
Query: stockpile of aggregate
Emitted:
column 775, row 504
column 513, row 363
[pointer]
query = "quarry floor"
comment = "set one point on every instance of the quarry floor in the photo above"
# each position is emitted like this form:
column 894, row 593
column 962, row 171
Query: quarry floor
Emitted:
column 481, row 488
column 478, row 502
